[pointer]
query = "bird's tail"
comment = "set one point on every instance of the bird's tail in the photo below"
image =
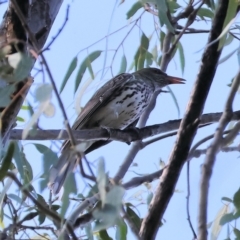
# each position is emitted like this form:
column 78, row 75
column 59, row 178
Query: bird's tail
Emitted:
column 60, row 171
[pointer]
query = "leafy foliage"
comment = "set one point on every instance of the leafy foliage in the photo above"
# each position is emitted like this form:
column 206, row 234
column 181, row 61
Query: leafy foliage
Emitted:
column 105, row 202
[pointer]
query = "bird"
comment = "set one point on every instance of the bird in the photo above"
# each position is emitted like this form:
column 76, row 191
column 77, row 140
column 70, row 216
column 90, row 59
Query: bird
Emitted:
column 118, row 104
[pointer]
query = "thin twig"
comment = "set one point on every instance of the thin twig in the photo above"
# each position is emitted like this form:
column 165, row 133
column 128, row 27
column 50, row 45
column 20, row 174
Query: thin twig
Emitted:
column 53, row 215
column 210, row 160
column 59, row 31
column 190, row 20
column 121, row 43
column 188, row 201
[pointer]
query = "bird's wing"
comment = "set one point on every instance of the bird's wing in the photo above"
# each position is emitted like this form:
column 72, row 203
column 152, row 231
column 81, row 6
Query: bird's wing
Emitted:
column 98, row 100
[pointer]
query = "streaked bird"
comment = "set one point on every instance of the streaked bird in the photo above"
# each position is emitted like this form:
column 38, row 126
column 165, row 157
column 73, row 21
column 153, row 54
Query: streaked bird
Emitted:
column 117, row 104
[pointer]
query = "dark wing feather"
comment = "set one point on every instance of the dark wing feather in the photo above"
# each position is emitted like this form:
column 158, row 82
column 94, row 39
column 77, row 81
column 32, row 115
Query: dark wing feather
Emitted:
column 98, row 100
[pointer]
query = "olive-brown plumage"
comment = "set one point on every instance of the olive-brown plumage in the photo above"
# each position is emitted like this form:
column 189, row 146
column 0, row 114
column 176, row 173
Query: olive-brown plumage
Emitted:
column 117, row 104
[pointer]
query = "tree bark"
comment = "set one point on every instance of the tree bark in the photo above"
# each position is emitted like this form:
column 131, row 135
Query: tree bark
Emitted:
column 40, row 16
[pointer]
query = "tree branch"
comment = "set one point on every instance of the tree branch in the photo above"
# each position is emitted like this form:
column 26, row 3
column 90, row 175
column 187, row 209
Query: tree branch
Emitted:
column 210, row 160
column 10, row 29
column 188, row 128
column 127, row 135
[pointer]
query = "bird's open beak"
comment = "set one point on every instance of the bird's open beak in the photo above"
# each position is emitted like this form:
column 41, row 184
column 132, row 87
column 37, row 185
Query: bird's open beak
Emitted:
column 176, row 80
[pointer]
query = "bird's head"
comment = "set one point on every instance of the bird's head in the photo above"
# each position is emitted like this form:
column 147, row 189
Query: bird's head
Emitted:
column 160, row 78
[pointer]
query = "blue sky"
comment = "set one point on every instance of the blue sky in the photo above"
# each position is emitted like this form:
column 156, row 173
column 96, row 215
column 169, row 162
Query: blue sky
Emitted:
column 90, row 21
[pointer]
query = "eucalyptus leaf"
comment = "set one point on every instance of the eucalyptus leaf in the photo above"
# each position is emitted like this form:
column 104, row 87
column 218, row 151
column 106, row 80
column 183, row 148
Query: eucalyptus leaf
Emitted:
column 5, row 95
column 70, row 186
column 216, row 226
column 7, row 160
column 237, row 233
column 226, row 218
column 70, row 70
column 135, row 7
column 236, row 199
column 43, row 92
column 134, row 217
column 162, row 14
column 123, row 65
column 121, row 230
column 103, row 235
column 181, row 56
column 205, row 12
column 140, row 56
column 229, row 19
column 22, row 64
column 102, row 180
column 84, row 65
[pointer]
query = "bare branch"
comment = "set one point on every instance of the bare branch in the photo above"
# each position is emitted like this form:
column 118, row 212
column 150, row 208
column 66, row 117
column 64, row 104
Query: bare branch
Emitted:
column 11, row 28
column 187, row 129
column 210, row 160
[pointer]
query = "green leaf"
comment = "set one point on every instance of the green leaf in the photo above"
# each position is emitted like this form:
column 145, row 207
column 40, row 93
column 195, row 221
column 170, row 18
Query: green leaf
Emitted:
column 101, row 180
column 228, row 40
column 237, row 233
column 142, row 51
column 21, row 63
column 43, row 92
column 162, row 36
column 149, row 59
column 86, row 64
column 236, row 215
column 28, row 173
column 105, row 217
column 41, row 218
column 123, row 65
column 70, row 186
column 29, row 216
column 135, row 7
column 20, row 119
column 210, row 3
column 149, row 198
column 17, row 199
column 140, row 56
column 173, row 6
column 162, row 14
column 41, row 148
column 222, row 60
column 88, row 230
column 155, row 53
column 18, row 159
column 70, row 70
column 217, row 227
column 205, row 12
column 231, row 13
column 236, row 199
column 7, row 160
column 226, row 218
column 227, row 199
column 49, row 158
column 134, row 217
column 5, row 94
column 181, row 55
column 121, row 231
column 103, row 235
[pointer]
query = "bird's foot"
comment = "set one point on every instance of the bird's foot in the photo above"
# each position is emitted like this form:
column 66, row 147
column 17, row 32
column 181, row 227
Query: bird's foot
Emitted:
column 109, row 130
column 135, row 134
